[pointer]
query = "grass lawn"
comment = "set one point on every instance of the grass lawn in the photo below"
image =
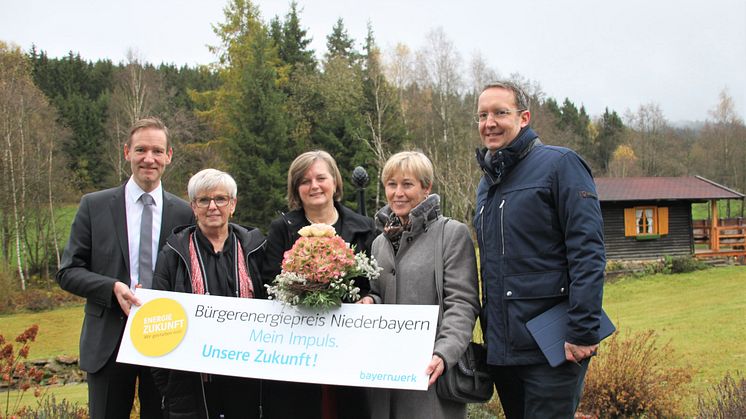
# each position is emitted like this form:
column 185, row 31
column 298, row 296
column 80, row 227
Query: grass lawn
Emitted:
column 702, row 314
column 64, row 214
column 700, row 211
column 59, row 330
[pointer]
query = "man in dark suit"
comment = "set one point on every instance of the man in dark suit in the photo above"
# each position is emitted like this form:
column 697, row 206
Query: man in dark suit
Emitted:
column 101, row 263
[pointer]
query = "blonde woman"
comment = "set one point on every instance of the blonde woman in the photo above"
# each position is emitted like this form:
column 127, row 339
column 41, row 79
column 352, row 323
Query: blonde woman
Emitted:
column 406, row 252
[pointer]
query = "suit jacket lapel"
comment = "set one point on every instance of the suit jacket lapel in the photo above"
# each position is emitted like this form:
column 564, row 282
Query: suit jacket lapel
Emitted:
column 119, row 214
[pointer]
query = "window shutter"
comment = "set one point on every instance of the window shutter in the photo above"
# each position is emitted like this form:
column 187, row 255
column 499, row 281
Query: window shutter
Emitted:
column 630, row 225
column 662, row 220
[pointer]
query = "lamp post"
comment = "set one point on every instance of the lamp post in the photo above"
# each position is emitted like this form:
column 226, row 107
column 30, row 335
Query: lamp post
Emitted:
column 360, row 179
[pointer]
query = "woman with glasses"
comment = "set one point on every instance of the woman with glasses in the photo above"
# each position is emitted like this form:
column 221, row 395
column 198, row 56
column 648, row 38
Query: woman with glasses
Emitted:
column 314, row 190
column 213, row 257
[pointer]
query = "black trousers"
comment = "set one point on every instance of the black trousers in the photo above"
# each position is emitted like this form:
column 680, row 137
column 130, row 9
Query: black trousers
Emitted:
column 111, row 391
column 539, row 391
column 232, row 397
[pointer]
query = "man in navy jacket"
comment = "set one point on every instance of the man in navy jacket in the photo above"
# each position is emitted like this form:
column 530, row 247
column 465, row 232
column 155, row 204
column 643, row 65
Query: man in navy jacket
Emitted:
column 540, row 234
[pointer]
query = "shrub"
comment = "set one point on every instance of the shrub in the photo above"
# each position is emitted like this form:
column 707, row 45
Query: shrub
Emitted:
column 727, row 399
column 682, row 264
column 7, row 290
column 16, row 374
column 633, row 377
column 490, row 410
column 652, row 268
column 13, row 370
column 615, row 265
column 35, row 299
column 50, row 408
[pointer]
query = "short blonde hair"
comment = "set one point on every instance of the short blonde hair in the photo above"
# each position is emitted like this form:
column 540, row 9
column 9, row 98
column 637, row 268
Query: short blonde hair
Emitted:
column 300, row 166
column 413, row 162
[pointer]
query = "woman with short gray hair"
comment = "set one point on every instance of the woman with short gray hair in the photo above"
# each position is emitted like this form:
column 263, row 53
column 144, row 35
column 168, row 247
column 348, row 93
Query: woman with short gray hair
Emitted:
column 213, row 257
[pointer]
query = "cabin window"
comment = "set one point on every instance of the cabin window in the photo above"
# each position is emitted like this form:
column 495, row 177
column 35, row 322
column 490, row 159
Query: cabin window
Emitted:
column 646, row 223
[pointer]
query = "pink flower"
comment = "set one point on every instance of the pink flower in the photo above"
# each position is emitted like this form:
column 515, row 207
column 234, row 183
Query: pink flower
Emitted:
column 319, row 259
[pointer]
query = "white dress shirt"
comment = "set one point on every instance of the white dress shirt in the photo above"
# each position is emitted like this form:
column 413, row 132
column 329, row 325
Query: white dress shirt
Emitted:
column 134, row 207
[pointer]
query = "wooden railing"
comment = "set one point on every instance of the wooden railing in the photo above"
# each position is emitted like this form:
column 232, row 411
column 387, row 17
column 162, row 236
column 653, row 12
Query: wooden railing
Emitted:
column 730, row 234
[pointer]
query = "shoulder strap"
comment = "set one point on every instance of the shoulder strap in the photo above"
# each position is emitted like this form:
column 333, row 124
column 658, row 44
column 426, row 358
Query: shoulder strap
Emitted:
column 439, row 239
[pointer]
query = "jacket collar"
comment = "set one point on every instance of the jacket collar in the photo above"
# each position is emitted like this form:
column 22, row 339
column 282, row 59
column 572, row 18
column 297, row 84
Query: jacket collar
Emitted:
column 420, row 217
column 497, row 165
column 352, row 222
column 250, row 238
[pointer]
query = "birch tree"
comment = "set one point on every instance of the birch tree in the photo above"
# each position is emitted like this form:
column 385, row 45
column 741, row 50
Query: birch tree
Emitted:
column 27, row 128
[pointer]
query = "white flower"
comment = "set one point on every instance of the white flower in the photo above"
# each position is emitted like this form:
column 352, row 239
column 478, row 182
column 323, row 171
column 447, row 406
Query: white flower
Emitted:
column 317, row 230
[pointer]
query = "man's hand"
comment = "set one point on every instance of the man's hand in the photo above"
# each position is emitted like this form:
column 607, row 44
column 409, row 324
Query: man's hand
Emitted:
column 435, row 369
column 125, row 297
column 577, row 353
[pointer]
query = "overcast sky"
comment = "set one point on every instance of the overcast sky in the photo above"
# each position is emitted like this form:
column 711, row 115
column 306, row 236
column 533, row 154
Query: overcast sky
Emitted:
column 600, row 53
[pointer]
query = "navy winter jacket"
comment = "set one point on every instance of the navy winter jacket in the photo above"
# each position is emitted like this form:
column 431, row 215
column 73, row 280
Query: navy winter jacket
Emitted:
column 540, row 235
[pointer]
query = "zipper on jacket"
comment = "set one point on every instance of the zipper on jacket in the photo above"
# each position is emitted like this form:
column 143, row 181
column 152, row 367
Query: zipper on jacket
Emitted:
column 502, row 229
column 204, row 396
column 248, row 267
column 481, row 222
column 183, row 259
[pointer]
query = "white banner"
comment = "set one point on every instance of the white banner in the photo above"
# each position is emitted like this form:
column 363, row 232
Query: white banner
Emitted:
column 367, row 345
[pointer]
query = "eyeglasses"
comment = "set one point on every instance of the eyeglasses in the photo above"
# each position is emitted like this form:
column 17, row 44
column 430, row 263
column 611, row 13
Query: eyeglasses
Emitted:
column 204, row 202
column 500, row 114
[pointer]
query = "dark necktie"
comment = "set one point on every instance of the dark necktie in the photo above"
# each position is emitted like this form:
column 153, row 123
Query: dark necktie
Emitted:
column 145, row 270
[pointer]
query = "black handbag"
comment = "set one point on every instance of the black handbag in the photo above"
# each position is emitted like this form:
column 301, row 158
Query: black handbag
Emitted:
column 468, row 381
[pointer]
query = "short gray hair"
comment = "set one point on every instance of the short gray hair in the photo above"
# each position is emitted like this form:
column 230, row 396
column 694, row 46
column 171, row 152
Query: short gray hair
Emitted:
column 207, row 179
column 521, row 98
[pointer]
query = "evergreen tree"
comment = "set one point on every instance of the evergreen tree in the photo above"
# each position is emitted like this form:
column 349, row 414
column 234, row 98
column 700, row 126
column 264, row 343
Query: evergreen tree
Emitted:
column 339, row 43
column 275, row 31
column 294, row 44
column 569, row 117
column 610, row 135
column 79, row 90
column 248, row 114
column 551, row 105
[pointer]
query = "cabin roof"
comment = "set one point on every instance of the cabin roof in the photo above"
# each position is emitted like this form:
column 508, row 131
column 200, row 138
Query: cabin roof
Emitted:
column 692, row 188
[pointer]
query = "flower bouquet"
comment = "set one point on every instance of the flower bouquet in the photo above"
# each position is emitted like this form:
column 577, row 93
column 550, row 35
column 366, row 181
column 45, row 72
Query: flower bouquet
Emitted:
column 319, row 270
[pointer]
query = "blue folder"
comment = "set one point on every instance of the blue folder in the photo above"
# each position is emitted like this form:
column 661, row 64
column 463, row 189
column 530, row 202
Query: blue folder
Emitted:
column 549, row 330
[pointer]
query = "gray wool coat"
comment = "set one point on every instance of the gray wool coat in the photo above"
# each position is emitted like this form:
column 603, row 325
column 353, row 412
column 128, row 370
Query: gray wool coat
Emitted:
column 408, row 277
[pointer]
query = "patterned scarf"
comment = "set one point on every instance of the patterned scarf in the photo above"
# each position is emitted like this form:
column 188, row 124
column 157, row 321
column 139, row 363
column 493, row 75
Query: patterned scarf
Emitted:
column 394, row 229
column 245, row 286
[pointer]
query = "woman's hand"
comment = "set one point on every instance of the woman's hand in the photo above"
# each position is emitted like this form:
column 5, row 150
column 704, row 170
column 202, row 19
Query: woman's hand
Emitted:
column 366, row 300
column 435, row 369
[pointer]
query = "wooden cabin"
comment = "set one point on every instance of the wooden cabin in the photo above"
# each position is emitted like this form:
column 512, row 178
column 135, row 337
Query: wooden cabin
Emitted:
column 651, row 217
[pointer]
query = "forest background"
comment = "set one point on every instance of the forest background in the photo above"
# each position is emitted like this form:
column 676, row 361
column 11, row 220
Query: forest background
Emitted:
column 268, row 97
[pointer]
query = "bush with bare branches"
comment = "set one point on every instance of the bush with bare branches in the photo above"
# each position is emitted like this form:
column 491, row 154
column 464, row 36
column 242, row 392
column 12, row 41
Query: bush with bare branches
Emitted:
column 633, row 377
